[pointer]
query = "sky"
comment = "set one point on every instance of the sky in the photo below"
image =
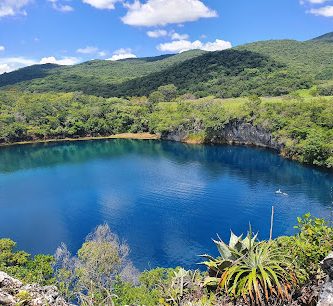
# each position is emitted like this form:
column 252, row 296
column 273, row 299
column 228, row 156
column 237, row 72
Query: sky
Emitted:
column 67, row 32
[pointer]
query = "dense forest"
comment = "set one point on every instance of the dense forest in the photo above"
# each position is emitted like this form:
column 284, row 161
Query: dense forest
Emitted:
column 267, row 68
column 302, row 125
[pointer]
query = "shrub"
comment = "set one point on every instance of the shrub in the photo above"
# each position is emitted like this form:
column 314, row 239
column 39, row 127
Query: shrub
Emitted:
column 254, row 271
column 19, row 264
column 156, row 97
column 24, row 297
column 168, row 91
column 325, row 90
column 91, row 276
column 312, row 244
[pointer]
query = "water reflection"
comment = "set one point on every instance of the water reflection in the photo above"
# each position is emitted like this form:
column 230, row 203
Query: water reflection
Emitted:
column 166, row 199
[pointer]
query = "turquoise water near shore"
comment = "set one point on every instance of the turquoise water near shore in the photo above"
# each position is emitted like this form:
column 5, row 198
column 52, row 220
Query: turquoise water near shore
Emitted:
column 166, row 199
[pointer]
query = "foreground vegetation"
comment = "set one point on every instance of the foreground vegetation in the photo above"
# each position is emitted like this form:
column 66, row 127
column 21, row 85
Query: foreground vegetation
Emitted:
column 247, row 271
column 301, row 123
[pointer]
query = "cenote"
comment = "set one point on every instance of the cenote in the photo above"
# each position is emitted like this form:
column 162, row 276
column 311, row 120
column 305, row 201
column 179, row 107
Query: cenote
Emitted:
column 167, row 200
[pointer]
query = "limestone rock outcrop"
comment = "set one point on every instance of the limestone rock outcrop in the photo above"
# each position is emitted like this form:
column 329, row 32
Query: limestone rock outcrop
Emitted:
column 326, row 295
column 13, row 292
column 234, row 132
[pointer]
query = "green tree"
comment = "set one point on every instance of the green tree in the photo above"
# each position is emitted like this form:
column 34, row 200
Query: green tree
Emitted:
column 19, row 264
column 253, row 104
column 156, row 97
column 100, row 263
column 168, row 91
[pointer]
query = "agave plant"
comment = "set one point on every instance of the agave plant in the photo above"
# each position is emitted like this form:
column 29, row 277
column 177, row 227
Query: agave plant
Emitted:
column 255, row 271
column 229, row 254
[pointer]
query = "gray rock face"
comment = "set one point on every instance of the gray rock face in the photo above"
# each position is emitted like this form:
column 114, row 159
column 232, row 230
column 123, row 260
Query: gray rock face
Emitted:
column 13, row 292
column 234, row 132
column 238, row 132
column 326, row 295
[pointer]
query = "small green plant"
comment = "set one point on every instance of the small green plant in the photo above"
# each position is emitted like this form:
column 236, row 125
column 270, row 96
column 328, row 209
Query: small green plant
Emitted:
column 24, row 297
column 21, row 265
column 312, row 244
column 180, row 286
column 254, row 271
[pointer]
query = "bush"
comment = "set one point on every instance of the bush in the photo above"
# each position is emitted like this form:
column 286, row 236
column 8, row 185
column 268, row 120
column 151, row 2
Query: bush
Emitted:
column 19, row 264
column 101, row 262
column 312, row 244
column 325, row 90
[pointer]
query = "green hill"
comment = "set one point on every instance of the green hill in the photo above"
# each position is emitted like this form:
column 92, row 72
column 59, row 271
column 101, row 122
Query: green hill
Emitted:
column 90, row 75
column 326, row 37
column 26, row 74
column 267, row 68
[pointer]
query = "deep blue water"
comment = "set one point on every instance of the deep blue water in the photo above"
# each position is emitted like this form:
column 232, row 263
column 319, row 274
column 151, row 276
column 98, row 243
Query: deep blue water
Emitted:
column 167, row 200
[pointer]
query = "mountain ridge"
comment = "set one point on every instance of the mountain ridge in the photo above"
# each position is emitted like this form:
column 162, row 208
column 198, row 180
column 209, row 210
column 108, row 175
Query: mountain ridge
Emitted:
column 325, row 37
column 289, row 64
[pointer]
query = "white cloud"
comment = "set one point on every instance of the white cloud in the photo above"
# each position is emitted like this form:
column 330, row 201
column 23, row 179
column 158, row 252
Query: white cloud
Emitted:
column 2, row 48
column 157, row 33
column 17, row 60
column 326, row 11
column 217, row 45
column 314, row 7
column 4, row 68
column 102, row 53
column 87, row 50
column 102, row 4
column 162, row 12
column 185, row 45
column 122, row 54
column 13, row 7
column 64, row 8
column 92, row 50
column 8, row 64
column 63, row 61
column 163, row 33
column 314, row 1
column 177, row 36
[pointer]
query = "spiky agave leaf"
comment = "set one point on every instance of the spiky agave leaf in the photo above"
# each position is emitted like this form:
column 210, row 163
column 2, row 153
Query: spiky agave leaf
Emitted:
column 216, row 265
column 249, row 241
column 223, row 249
column 235, row 242
column 209, row 257
column 211, row 281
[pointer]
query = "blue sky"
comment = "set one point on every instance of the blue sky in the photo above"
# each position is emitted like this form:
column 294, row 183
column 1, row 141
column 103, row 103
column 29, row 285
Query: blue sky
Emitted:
column 71, row 31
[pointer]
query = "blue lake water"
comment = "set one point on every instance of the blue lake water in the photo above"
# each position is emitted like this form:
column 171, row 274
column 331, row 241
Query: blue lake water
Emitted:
column 167, row 200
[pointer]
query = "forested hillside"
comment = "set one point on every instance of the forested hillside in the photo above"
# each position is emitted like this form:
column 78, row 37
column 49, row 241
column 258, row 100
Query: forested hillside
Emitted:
column 325, row 37
column 268, row 68
column 86, row 76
